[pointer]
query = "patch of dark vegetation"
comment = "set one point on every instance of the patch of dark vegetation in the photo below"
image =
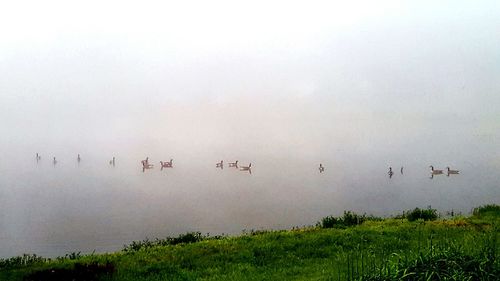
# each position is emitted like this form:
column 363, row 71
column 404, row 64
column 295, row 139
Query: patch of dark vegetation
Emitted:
column 450, row 264
column 190, row 237
column 254, row 232
column 21, row 261
column 80, row 272
column 27, row 260
column 348, row 219
column 486, row 210
column 71, row 256
column 428, row 214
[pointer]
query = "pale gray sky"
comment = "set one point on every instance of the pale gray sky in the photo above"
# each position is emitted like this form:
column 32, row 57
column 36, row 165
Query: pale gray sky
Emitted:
column 103, row 70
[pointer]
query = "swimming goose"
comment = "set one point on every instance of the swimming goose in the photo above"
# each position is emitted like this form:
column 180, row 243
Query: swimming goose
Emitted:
column 390, row 172
column 435, row 172
column 166, row 164
column 247, row 168
column 233, row 164
column 452, row 172
column 321, row 168
column 146, row 165
column 219, row 165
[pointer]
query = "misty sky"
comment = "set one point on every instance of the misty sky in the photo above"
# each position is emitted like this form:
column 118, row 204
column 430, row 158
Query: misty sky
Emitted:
column 210, row 73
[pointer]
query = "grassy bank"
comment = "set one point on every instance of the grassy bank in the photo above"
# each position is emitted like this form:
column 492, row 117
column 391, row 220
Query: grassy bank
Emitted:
column 351, row 247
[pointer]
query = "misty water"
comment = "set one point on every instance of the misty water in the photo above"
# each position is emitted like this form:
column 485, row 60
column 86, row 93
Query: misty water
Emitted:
column 93, row 206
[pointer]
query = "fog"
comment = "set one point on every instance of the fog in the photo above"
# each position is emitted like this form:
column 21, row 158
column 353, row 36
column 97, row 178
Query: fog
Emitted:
column 283, row 85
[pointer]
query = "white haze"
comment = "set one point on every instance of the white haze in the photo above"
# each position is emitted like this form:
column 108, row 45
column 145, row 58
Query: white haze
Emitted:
column 358, row 86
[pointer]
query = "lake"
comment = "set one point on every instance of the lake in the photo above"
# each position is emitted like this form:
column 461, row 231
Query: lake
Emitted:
column 53, row 210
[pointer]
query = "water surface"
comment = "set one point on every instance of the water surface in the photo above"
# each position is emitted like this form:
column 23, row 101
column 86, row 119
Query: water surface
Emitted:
column 56, row 209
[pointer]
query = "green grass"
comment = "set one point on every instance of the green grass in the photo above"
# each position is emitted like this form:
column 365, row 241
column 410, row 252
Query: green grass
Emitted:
column 389, row 249
column 492, row 211
column 422, row 214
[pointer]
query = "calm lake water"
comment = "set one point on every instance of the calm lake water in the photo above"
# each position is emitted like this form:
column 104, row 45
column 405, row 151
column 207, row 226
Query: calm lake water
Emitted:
column 53, row 210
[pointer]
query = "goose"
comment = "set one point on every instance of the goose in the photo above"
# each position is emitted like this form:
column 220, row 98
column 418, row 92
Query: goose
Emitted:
column 145, row 163
column 38, row 157
column 78, row 158
column 247, row 168
column 54, row 161
column 146, row 166
column 321, row 168
column 233, row 164
column 435, row 172
column 166, row 164
column 219, row 165
column 112, row 161
column 401, row 169
column 390, row 172
column 452, row 172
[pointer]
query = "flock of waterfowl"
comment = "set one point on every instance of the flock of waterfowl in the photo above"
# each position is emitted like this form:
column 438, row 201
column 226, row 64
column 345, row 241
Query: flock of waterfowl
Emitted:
column 440, row 172
column 220, row 165
column 163, row 164
column 433, row 171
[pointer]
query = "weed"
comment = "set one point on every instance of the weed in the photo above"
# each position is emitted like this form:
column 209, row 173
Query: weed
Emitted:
column 487, row 210
column 22, row 261
column 348, row 219
column 190, row 237
column 428, row 214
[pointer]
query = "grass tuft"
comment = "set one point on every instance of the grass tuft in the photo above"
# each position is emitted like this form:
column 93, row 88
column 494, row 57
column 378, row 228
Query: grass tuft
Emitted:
column 422, row 214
